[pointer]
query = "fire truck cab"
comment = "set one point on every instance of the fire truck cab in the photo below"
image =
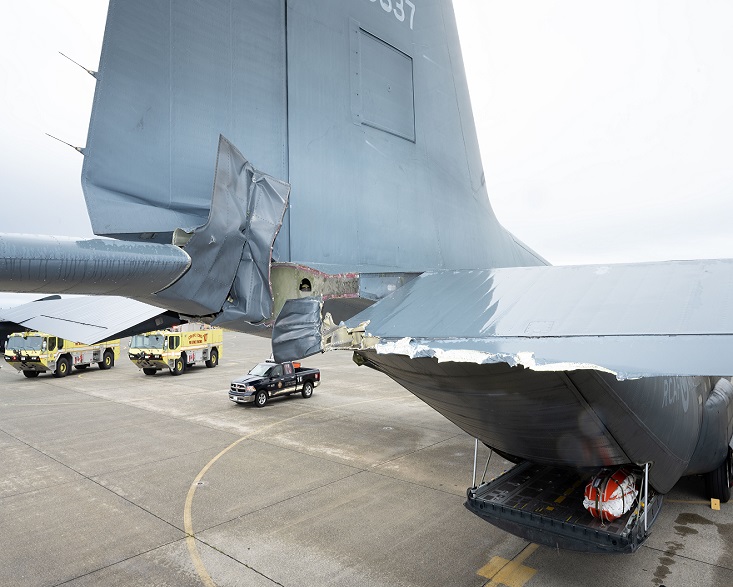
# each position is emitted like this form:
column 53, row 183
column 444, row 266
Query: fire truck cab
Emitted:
column 37, row 352
column 177, row 348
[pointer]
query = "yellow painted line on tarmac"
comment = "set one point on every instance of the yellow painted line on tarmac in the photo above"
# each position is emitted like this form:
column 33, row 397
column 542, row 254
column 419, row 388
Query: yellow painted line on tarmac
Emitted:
column 188, row 523
column 510, row 573
column 193, row 551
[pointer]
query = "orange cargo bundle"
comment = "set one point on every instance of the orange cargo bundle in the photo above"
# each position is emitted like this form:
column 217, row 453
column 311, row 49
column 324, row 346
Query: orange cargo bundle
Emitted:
column 610, row 495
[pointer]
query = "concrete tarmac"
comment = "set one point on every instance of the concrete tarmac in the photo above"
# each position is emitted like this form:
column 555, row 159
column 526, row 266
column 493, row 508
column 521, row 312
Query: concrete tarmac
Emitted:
column 116, row 478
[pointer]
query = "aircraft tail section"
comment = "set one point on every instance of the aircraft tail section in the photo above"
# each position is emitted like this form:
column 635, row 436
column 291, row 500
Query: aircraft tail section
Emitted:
column 353, row 115
column 600, row 359
column 362, row 107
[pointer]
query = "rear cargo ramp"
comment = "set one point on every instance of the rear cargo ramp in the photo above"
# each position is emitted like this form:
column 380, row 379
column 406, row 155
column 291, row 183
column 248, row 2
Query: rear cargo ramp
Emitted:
column 545, row 505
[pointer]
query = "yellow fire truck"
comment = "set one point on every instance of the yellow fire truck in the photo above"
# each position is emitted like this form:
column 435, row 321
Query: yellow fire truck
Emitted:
column 176, row 348
column 37, row 352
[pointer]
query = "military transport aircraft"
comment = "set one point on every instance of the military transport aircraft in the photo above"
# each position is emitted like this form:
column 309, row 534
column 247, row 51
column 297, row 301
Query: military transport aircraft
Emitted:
column 310, row 169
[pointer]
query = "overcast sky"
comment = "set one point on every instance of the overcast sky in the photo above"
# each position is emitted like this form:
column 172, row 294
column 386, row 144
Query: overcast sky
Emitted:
column 606, row 128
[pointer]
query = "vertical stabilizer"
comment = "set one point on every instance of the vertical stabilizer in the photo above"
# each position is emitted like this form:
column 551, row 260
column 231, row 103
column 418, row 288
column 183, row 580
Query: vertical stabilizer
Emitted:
column 362, row 106
column 384, row 158
column 173, row 76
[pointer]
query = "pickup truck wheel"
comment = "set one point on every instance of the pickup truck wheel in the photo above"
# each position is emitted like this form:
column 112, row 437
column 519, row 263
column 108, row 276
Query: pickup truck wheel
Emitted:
column 30, row 374
column 213, row 359
column 178, row 366
column 307, row 389
column 260, row 399
column 717, row 482
column 108, row 361
column 62, row 368
column 149, row 370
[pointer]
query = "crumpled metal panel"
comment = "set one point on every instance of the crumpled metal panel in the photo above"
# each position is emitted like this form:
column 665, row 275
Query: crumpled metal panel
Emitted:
column 54, row 264
column 85, row 319
column 635, row 320
column 627, row 357
column 251, row 298
column 231, row 253
column 297, row 332
column 173, row 75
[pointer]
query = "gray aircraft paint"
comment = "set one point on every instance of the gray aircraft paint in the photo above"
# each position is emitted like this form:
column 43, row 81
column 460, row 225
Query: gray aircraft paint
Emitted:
column 558, row 365
column 173, row 76
column 632, row 320
column 232, row 252
column 85, row 318
column 580, row 418
column 316, row 94
column 296, row 88
column 55, row 264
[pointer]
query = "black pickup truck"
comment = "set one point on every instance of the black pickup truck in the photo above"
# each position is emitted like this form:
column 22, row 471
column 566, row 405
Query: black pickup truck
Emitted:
column 269, row 379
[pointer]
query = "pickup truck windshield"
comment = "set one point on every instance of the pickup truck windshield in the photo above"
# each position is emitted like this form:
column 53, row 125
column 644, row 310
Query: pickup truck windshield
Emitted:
column 261, row 369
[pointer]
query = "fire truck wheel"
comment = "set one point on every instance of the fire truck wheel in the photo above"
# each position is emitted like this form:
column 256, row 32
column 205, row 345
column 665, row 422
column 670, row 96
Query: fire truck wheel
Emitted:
column 214, row 359
column 260, row 399
column 178, row 366
column 149, row 370
column 307, row 389
column 62, row 367
column 30, row 374
column 108, row 360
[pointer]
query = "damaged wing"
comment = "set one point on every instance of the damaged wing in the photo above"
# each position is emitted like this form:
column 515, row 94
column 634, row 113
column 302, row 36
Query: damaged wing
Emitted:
column 634, row 320
column 88, row 319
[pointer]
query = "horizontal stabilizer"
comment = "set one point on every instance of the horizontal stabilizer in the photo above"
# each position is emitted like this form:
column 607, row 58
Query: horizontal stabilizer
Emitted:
column 98, row 266
column 88, row 319
column 635, row 320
